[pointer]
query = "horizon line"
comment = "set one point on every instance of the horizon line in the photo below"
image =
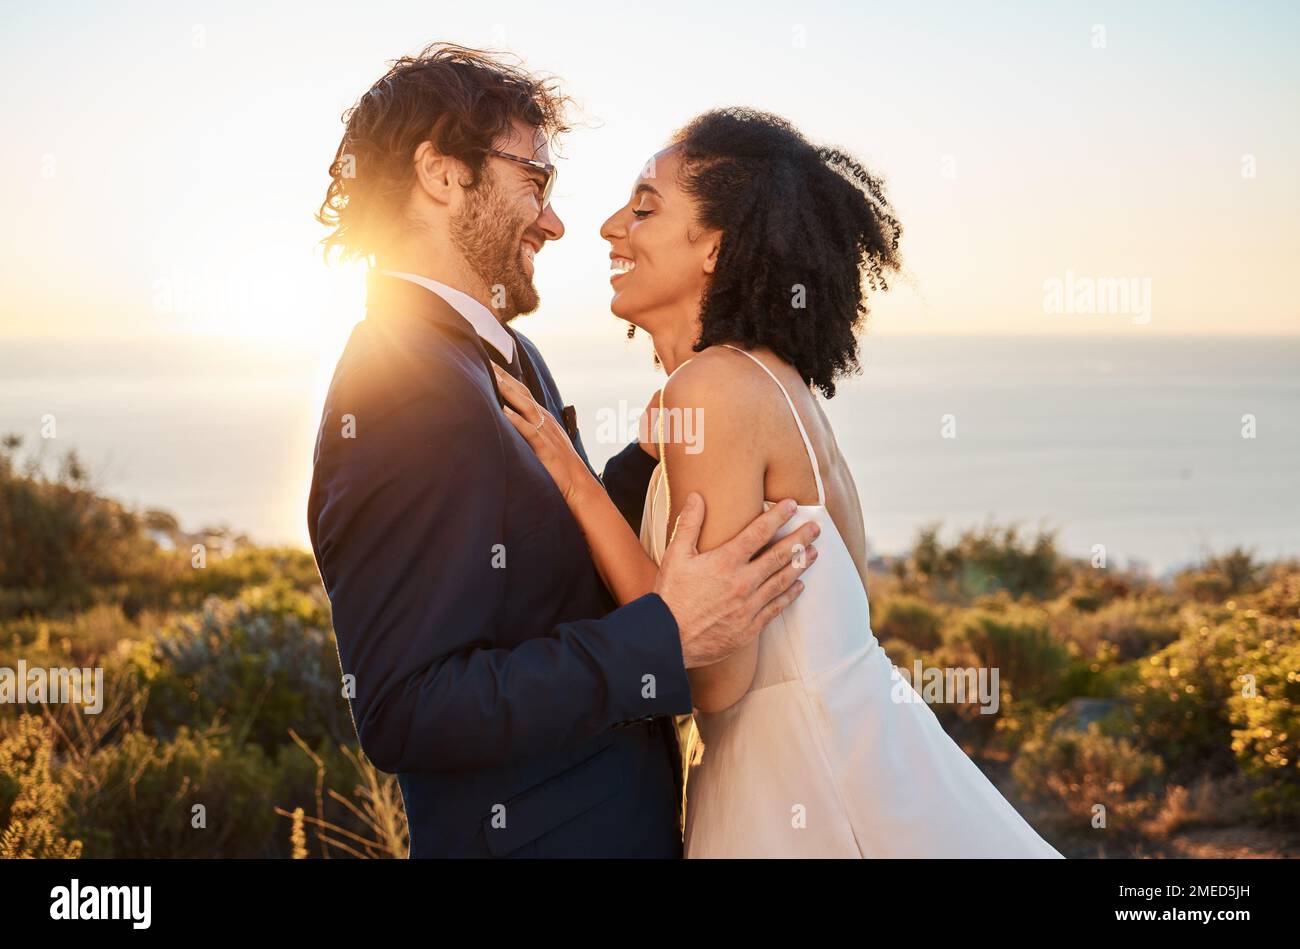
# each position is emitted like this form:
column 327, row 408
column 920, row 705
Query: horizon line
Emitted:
column 208, row 336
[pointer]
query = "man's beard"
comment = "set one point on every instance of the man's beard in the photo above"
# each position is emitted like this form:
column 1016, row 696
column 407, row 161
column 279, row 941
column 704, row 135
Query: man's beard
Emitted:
column 487, row 233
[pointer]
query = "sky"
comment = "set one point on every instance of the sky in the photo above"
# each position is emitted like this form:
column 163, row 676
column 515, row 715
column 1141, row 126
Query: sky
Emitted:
column 162, row 161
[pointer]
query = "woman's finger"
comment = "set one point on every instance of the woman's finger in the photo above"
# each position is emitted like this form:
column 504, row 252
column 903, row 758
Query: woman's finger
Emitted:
column 515, row 393
column 510, row 382
column 509, row 386
column 522, row 425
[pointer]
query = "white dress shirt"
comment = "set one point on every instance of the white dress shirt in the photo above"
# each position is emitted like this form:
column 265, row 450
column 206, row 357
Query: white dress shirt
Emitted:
column 480, row 317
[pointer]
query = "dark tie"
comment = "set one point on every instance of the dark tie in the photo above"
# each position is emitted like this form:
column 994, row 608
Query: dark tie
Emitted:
column 521, row 367
column 514, row 367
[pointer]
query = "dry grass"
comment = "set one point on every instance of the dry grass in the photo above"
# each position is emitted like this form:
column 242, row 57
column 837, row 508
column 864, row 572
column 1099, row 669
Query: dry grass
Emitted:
column 376, row 802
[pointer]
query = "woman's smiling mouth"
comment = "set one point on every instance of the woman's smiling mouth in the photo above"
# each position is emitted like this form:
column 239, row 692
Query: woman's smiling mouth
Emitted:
column 620, row 267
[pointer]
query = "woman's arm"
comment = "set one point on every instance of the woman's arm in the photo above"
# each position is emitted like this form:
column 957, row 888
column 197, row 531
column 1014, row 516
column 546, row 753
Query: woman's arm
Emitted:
column 621, row 561
column 732, row 479
column 723, row 461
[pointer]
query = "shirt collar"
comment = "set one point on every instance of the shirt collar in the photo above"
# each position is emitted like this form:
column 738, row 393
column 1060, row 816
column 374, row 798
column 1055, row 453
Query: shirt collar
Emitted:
column 476, row 314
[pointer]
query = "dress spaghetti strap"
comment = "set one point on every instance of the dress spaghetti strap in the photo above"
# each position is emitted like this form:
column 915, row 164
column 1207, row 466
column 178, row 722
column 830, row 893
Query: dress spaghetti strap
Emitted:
column 663, row 459
column 803, row 433
column 660, row 426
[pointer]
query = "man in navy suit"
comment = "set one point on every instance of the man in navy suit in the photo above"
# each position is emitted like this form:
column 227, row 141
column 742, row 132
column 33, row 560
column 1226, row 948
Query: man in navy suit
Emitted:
column 485, row 661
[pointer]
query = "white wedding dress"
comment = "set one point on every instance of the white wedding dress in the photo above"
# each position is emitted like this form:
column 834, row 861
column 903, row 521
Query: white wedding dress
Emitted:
column 819, row 759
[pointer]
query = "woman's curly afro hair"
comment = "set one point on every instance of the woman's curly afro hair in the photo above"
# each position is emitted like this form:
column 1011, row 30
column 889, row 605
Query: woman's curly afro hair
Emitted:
column 802, row 228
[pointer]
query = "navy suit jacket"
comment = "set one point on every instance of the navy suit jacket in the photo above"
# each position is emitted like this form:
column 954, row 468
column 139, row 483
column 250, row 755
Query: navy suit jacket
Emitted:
column 523, row 713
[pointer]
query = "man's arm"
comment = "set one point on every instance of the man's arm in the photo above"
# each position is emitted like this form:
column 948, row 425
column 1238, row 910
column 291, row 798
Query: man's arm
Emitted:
column 405, row 539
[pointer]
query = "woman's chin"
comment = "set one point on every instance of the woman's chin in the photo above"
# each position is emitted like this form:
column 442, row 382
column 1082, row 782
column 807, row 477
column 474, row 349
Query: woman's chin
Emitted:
column 617, row 307
column 634, row 315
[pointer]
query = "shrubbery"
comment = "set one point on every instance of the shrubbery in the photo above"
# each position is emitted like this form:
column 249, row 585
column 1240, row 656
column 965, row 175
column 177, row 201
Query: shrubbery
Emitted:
column 265, row 662
column 1132, row 627
column 222, row 681
column 201, row 794
column 1181, row 696
column 988, row 560
column 1265, row 718
column 32, row 801
column 910, row 619
column 1078, row 770
column 1016, row 641
column 60, row 543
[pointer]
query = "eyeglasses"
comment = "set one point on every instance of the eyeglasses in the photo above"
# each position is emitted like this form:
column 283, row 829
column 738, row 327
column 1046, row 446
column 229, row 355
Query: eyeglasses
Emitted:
column 545, row 168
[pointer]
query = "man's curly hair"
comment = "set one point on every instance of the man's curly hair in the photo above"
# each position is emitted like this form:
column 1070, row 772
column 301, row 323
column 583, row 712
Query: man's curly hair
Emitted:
column 792, row 216
column 459, row 99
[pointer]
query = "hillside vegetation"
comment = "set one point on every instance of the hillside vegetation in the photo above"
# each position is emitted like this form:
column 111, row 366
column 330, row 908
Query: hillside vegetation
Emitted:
column 1135, row 717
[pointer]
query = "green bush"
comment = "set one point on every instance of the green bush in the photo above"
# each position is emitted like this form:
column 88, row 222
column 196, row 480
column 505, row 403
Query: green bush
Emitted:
column 81, row 639
column 137, row 798
column 1265, row 715
column 1182, row 695
column 1134, row 627
column 60, row 541
column 1017, row 642
column 910, row 619
column 1093, row 588
column 1231, row 574
column 1280, row 593
column 64, row 548
column 987, row 560
column 1080, row 769
column 226, row 575
column 253, row 662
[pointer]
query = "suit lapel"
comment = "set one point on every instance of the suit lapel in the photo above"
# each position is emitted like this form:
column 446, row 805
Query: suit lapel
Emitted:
column 394, row 298
column 532, row 380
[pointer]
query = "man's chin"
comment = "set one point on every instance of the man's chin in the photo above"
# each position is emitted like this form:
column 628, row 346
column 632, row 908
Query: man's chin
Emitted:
column 512, row 296
column 526, row 298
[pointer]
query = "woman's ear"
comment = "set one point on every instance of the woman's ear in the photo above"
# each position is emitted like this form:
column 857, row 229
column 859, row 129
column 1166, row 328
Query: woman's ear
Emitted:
column 715, row 245
column 437, row 175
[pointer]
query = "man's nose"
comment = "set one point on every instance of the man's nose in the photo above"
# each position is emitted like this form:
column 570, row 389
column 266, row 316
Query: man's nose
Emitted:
column 550, row 223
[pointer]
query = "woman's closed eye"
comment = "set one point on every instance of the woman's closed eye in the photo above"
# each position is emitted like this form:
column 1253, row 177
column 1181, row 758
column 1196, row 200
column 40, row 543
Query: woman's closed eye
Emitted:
column 640, row 214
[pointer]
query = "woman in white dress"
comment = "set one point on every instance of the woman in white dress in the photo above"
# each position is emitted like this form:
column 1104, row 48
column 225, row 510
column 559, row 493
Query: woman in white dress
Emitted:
column 742, row 251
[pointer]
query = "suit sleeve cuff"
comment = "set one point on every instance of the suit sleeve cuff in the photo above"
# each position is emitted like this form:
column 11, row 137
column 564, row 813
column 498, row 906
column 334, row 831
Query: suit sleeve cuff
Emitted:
column 655, row 664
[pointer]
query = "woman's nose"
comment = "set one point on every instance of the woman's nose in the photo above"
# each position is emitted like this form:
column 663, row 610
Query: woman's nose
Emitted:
column 613, row 227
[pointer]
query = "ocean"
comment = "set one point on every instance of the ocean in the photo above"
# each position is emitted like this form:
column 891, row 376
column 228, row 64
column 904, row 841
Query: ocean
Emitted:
column 1138, row 443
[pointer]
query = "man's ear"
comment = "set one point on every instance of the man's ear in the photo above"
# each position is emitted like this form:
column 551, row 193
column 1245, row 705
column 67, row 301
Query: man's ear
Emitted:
column 437, row 175
column 715, row 245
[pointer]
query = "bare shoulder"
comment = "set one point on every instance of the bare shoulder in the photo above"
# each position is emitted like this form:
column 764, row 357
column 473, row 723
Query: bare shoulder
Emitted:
column 719, row 378
column 724, row 392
